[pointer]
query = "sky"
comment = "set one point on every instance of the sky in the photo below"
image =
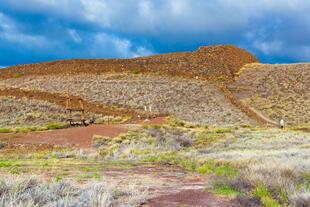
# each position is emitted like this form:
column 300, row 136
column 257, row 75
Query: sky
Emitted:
column 276, row 31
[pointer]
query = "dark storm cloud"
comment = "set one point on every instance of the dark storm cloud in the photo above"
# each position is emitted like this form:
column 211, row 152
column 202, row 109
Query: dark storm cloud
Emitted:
column 41, row 30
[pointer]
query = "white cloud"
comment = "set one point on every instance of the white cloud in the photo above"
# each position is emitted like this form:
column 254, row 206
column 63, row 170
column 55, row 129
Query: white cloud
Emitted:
column 268, row 48
column 265, row 26
column 74, row 36
column 9, row 32
column 105, row 45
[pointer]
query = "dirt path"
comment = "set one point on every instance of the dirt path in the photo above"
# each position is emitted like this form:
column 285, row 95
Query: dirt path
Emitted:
column 169, row 186
column 191, row 198
column 250, row 112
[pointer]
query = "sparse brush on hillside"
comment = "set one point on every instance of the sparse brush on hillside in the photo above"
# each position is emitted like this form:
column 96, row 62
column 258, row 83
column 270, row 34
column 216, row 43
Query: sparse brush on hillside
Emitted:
column 277, row 91
column 26, row 113
column 191, row 101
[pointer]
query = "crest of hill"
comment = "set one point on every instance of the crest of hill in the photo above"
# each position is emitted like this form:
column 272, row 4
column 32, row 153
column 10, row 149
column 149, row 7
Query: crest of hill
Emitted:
column 212, row 62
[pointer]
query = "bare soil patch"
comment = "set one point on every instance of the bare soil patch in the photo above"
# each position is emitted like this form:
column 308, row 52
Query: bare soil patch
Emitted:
column 76, row 136
column 79, row 137
column 193, row 198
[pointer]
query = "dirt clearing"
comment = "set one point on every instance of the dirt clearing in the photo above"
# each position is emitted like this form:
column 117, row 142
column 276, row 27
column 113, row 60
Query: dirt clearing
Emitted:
column 79, row 136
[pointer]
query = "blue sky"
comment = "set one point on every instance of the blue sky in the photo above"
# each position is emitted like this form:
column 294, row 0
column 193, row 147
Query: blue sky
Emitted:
column 276, row 31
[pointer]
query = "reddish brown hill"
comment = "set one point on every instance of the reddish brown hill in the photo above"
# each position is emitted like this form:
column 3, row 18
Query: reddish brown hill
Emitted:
column 214, row 62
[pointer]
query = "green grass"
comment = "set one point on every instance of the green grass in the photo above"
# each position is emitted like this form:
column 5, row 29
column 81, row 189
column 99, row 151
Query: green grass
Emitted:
column 18, row 75
column 135, row 71
column 50, row 126
column 307, row 180
column 205, row 139
column 89, row 176
column 6, row 163
column 224, row 189
column 91, row 168
column 217, row 169
column 264, row 195
column 5, row 130
column 174, row 122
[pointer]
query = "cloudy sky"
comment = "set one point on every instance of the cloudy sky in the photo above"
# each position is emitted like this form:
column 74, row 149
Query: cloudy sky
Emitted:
column 276, row 31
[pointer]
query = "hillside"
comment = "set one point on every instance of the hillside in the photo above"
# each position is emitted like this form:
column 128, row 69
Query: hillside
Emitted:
column 276, row 90
column 218, row 85
column 211, row 138
column 207, row 62
column 163, row 81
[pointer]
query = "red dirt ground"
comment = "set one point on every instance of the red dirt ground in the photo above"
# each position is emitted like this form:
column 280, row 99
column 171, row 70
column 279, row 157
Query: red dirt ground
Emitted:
column 197, row 198
column 79, row 136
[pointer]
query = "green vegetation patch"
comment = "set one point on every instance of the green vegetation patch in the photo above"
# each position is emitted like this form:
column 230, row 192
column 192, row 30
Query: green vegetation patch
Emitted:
column 18, row 75
column 217, row 169
column 6, row 130
column 265, row 197
column 50, row 126
column 222, row 188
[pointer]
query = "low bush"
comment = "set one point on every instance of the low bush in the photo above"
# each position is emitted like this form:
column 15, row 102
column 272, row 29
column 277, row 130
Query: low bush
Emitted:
column 223, row 188
column 18, row 75
column 99, row 140
column 52, row 126
column 5, row 130
column 265, row 197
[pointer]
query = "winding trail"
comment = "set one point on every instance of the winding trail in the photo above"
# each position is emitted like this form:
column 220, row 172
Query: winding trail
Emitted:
column 250, row 112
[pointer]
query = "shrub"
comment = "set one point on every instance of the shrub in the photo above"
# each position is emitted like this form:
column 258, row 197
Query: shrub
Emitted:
column 52, row 126
column 98, row 141
column 264, row 195
column 218, row 169
column 174, row 122
column 205, row 139
column 18, row 75
column 5, row 130
column 222, row 188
